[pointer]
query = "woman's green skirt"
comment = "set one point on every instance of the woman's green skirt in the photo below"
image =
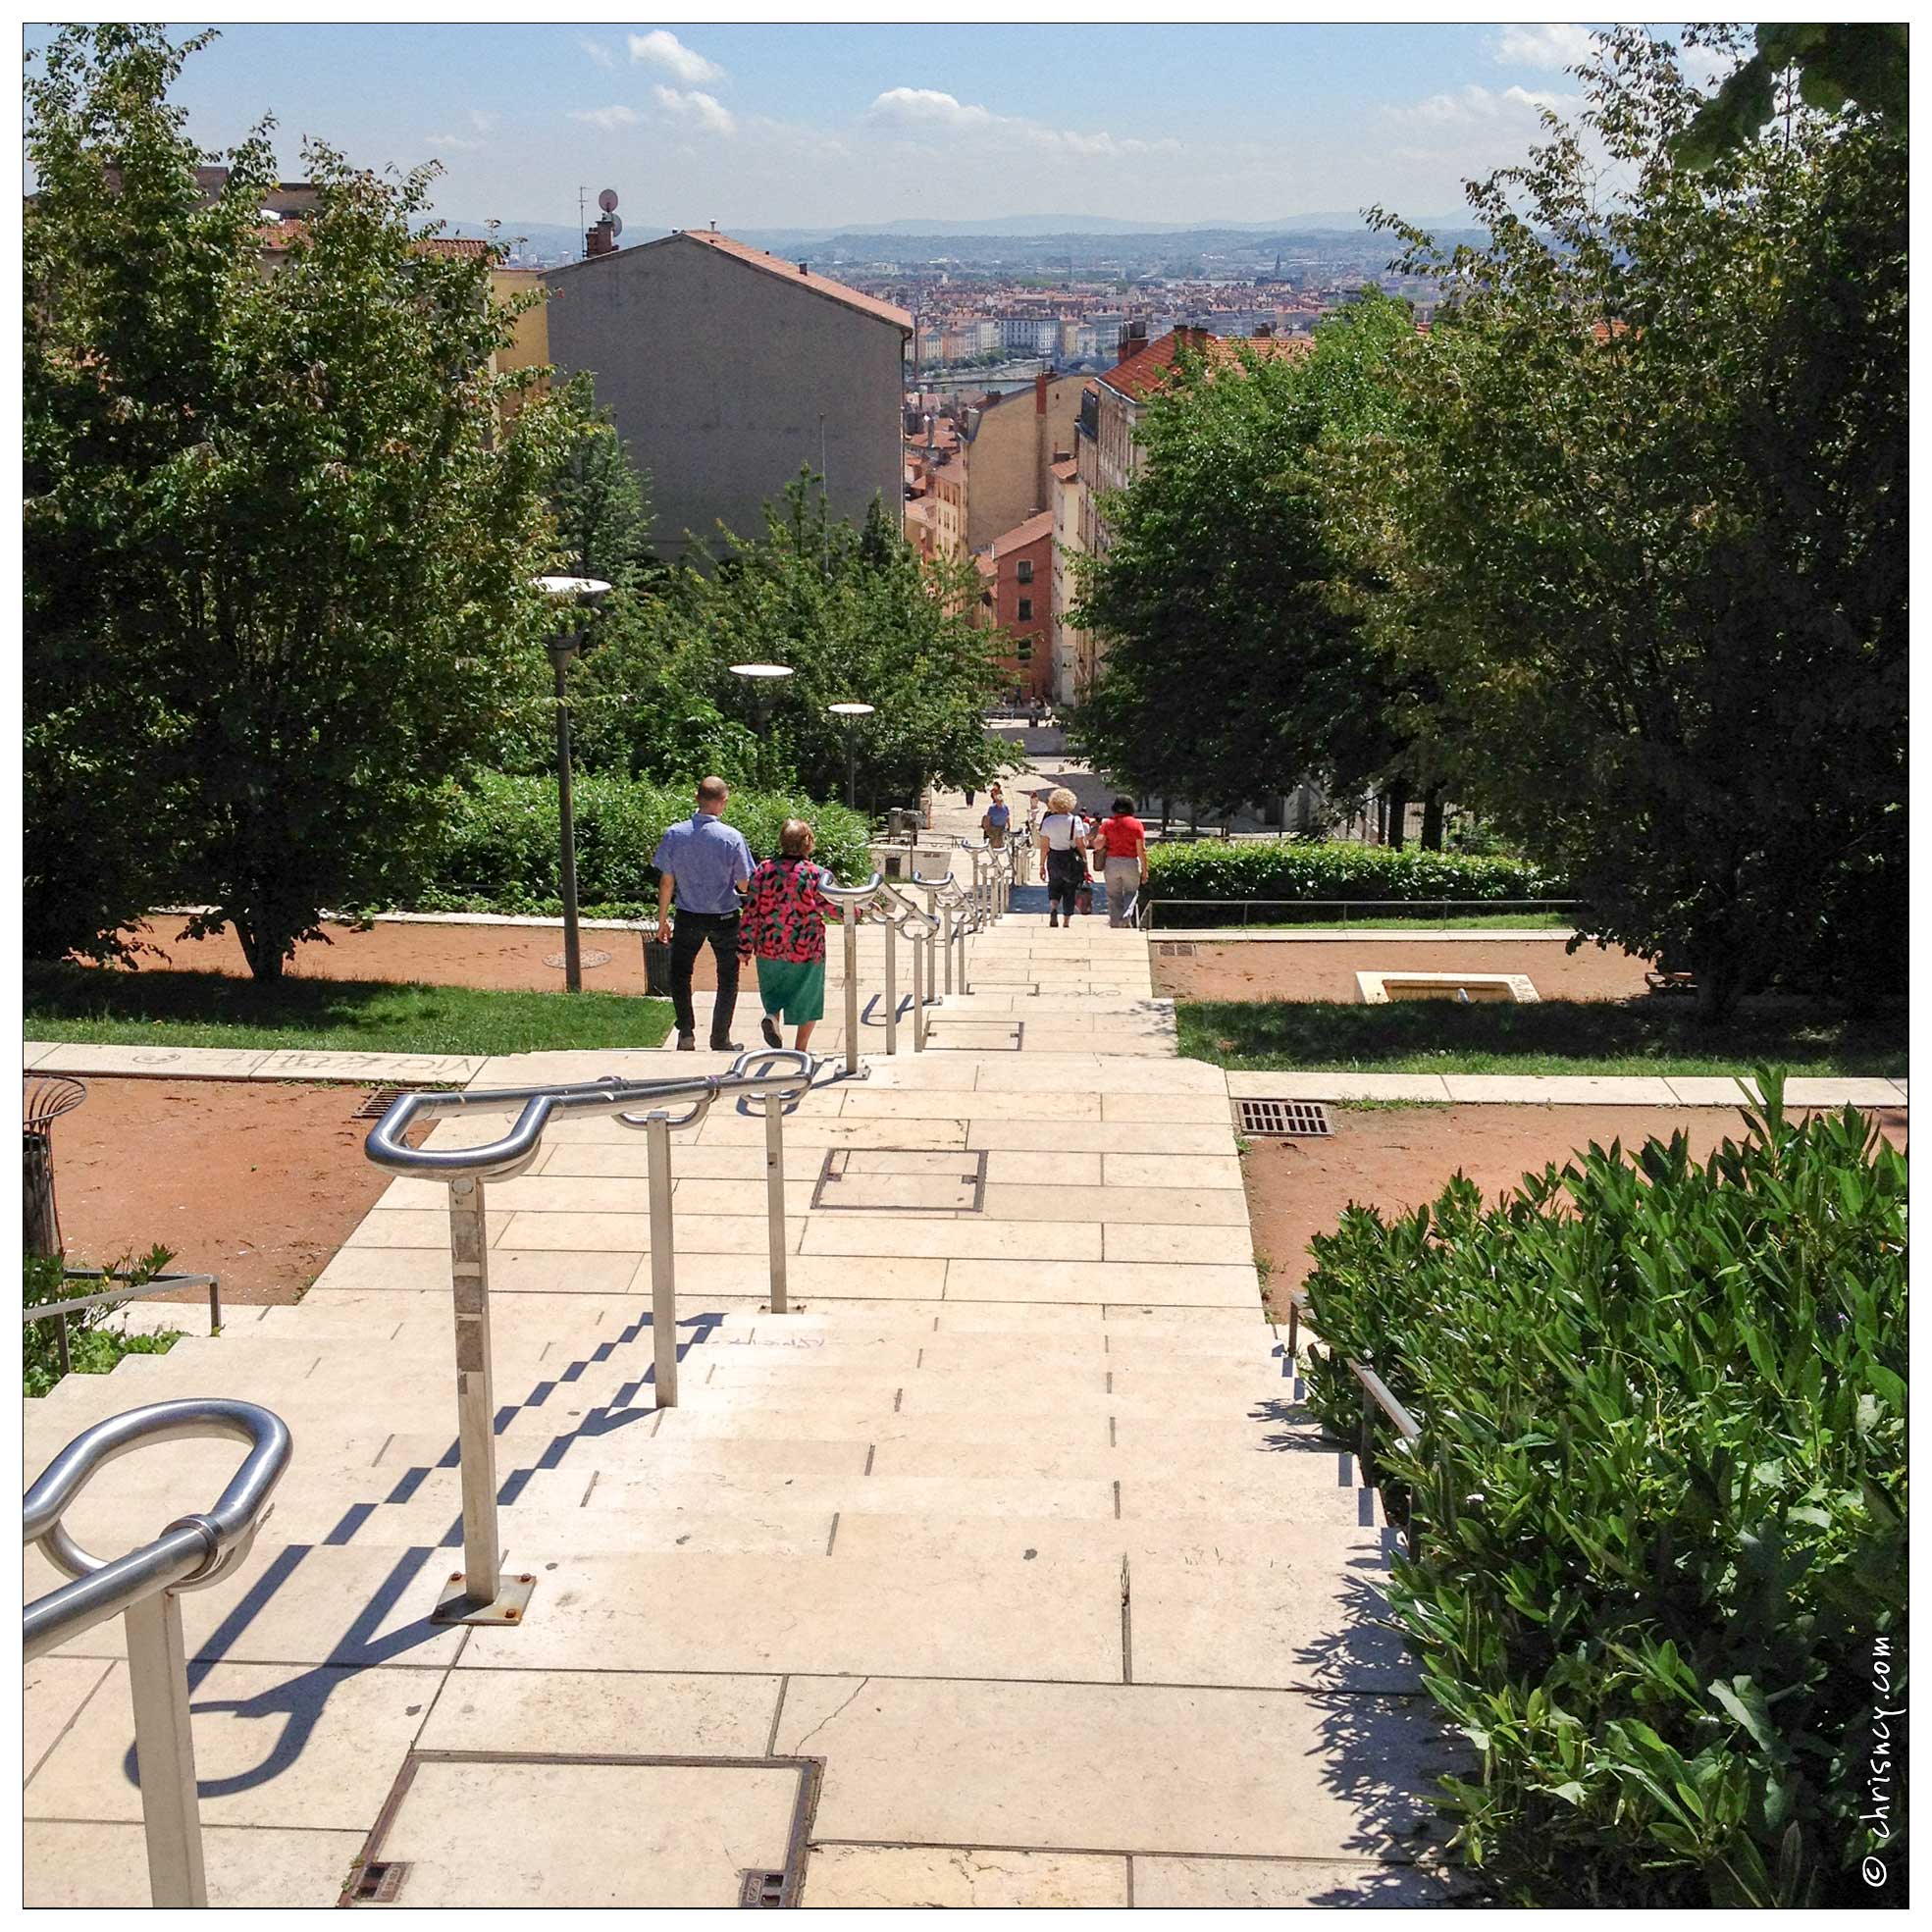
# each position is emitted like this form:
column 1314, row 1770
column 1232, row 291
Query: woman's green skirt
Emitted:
column 793, row 990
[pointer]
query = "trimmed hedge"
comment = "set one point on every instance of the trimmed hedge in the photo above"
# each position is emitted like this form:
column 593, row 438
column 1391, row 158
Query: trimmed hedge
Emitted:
column 1659, row 1498
column 498, row 847
column 1319, row 868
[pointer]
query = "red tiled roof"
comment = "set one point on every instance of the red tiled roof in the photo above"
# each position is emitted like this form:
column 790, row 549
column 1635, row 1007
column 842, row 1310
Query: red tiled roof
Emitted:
column 1022, row 534
column 466, row 247
column 1141, row 374
column 1067, row 472
column 789, row 271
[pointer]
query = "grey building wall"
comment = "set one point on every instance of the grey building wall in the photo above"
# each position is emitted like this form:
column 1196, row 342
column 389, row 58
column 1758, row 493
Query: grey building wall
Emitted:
column 726, row 382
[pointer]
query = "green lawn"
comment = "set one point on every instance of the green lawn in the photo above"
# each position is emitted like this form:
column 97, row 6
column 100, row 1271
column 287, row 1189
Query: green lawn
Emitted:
column 90, row 1006
column 1395, row 922
column 1553, row 1036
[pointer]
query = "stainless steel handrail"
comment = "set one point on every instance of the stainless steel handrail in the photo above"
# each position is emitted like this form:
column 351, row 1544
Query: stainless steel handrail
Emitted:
column 144, row 1586
column 767, row 1078
column 57, row 1312
column 922, row 927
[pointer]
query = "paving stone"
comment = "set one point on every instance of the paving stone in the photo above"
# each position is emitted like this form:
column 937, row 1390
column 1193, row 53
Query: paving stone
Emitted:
column 1216, row 1207
column 633, row 1713
column 971, row 1239
column 454, row 1069
column 178, row 1063
column 1022, row 1134
column 925, row 1875
column 1203, row 1109
column 760, row 1615
column 1336, row 1086
column 53, row 1690
column 33, row 1052
column 105, row 1867
column 1841, row 1094
column 301, row 1745
column 484, row 1835
column 1559, row 1090
column 1128, row 1767
column 1165, row 1172
column 1179, row 1246
column 1701, row 1090
column 1176, row 1884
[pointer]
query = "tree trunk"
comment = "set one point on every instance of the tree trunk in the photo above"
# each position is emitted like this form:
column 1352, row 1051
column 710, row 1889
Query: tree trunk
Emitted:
column 266, row 957
column 1432, row 820
column 1718, row 986
column 1398, row 814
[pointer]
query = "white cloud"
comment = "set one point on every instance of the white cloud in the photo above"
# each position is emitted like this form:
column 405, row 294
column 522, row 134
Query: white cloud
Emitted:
column 1542, row 46
column 704, row 109
column 598, row 51
column 926, row 110
column 661, row 49
column 915, row 107
column 1480, row 107
column 483, row 122
column 606, row 118
column 455, row 143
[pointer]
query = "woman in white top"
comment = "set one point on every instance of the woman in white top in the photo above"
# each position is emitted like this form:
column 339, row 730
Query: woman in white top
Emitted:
column 1063, row 855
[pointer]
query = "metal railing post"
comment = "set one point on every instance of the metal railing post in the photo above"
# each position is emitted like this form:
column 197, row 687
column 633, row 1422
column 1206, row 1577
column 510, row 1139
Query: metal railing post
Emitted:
column 891, row 981
column 774, row 1197
column 663, row 1262
column 919, row 992
column 476, row 1408
column 946, row 935
column 164, row 1750
column 851, row 989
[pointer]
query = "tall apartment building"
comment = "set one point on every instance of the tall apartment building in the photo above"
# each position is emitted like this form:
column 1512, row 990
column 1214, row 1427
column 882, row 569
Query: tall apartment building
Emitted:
column 1013, row 443
column 729, row 369
column 1071, row 649
column 1016, row 571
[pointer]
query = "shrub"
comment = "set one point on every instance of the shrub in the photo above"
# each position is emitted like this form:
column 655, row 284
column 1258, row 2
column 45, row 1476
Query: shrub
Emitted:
column 1659, row 1502
column 92, row 1348
column 1315, row 868
column 498, row 849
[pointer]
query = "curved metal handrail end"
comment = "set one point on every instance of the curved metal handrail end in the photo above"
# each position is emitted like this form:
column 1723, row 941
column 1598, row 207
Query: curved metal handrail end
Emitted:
column 499, row 1160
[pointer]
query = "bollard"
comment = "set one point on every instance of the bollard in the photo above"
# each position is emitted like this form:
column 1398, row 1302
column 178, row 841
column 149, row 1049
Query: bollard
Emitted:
column 774, row 1196
column 476, row 1408
column 664, row 1265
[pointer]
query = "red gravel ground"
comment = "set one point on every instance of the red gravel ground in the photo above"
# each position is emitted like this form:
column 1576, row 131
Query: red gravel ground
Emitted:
column 258, row 1182
column 481, row 955
column 1397, row 1158
column 1316, row 969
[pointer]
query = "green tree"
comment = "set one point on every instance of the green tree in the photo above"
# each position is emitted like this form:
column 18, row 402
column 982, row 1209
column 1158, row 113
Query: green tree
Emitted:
column 856, row 614
column 599, row 501
column 1654, row 545
column 1238, row 662
column 1863, row 64
column 279, row 529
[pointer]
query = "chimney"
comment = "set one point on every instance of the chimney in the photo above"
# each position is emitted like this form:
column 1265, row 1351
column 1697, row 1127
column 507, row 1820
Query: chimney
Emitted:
column 1040, row 394
column 1262, row 331
column 1134, row 338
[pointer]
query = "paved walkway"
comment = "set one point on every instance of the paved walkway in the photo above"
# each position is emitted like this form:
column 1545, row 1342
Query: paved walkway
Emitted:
column 1013, row 1539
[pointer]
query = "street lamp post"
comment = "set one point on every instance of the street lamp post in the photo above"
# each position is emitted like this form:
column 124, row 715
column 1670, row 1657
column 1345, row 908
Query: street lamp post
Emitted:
column 765, row 680
column 851, row 713
column 568, row 596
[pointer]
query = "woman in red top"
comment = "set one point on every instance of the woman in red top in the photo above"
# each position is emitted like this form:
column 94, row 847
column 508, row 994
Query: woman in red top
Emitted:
column 1124, row 839
column 783, row 928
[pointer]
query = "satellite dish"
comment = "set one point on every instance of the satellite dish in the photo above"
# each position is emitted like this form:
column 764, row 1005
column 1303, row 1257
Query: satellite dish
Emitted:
column 616, row 226
column 607, row 201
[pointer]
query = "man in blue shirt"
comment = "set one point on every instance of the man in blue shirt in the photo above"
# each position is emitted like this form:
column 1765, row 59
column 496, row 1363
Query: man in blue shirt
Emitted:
column 707, row 864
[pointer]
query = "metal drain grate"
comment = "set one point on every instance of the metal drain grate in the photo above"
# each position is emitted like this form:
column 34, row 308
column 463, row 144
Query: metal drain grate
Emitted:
column 1285, row 1116
column 375, row 1105
column 378, row 1882
column 764, row 1889
column 1176, row 948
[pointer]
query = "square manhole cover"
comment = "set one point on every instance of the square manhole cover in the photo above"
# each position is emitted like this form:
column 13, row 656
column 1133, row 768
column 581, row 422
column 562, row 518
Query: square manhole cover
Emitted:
column 902, row 1179
column 1284, row 1116
column 479, row 1829
column 1176, row 948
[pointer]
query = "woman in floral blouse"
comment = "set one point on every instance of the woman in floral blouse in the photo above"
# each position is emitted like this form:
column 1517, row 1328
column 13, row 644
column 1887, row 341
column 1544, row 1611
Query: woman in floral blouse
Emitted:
column 784, row 929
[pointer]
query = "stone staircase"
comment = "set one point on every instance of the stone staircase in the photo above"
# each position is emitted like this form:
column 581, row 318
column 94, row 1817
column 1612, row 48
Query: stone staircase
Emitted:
column 1006, row 1569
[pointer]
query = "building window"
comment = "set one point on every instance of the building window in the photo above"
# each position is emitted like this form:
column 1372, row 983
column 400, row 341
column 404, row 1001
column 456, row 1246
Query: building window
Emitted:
column 1026, row 610
column 1023, row 653
column 1025, row 570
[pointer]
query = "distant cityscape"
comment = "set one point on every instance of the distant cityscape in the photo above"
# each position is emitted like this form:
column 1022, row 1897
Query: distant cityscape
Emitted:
column 992, row 309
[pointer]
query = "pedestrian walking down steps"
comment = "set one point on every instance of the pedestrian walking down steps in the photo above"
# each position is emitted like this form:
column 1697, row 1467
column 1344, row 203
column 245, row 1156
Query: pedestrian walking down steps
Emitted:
column 1062, row 855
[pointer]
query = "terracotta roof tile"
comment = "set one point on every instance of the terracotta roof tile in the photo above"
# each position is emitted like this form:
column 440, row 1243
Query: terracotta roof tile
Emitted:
column 1141, row 374
column 1022, row 534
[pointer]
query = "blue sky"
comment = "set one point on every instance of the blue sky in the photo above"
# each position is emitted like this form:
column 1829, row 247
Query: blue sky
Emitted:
column 768, row 126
